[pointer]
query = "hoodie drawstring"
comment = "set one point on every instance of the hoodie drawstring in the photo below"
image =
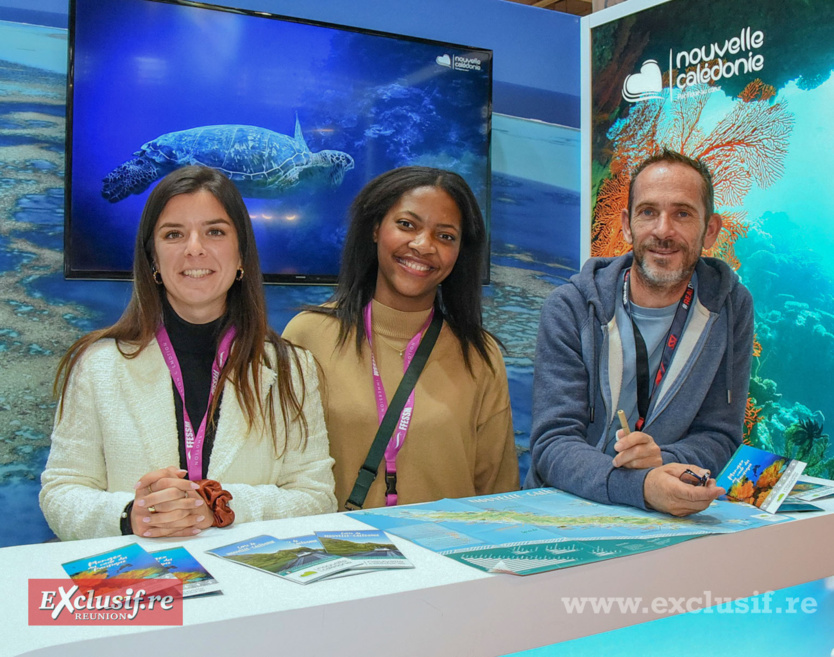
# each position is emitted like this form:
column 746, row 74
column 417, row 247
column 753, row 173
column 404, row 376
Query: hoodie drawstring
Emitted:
column 592, row 378
column 729, row 367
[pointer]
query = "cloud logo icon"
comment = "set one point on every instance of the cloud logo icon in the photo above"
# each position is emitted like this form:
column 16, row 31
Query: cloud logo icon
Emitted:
column 444, row 60
column 645, row 84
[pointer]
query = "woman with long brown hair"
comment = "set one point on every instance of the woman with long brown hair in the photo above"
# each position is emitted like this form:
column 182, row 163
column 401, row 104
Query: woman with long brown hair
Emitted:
column 189, row 411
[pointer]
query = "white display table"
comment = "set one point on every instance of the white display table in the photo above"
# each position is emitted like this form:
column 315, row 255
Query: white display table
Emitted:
column 441, row 607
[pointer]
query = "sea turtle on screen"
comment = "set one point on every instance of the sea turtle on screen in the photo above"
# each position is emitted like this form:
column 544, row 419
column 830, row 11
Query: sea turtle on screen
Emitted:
column 262, row 163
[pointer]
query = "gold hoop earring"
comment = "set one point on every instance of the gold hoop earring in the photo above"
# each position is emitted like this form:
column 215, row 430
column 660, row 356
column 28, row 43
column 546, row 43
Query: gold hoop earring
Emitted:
column 157, row 277
column 239, row 276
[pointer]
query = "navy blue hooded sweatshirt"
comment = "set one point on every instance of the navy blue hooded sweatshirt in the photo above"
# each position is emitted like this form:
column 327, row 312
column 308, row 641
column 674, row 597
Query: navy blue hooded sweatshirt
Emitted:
column 696, row 415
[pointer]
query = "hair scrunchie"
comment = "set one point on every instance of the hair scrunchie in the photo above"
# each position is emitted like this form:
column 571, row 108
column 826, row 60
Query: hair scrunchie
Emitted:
column 217, row 500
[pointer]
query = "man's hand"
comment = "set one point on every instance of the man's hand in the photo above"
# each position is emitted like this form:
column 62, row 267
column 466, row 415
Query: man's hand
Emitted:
column 636, row 450
column 664, row 491
column 166, row 504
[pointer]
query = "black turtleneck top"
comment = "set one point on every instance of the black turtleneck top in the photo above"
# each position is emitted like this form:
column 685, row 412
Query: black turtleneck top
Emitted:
column 196, row 347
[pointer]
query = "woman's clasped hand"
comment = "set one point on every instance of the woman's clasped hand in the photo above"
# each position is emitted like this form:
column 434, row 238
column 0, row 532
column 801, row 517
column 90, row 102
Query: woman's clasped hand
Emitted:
column 168, row 504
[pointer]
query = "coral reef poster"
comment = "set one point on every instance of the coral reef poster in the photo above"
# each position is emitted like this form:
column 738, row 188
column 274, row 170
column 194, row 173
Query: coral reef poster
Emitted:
column 747, row 87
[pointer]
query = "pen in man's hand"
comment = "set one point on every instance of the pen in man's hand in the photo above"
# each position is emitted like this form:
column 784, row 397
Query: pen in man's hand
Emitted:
column 623, row 423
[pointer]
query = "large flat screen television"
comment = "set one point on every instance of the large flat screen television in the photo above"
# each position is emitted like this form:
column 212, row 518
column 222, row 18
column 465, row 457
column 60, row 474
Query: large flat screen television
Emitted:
column 300, row 114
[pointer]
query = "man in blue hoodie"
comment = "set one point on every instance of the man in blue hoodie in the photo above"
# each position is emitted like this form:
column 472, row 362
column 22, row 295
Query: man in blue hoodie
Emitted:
column 663, row 334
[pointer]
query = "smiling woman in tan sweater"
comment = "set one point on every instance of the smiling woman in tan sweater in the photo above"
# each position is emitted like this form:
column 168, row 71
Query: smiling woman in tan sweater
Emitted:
column 414, row 249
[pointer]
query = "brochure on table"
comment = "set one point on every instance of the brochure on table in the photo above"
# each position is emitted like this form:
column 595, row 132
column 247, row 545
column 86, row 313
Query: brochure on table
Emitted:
column 301, row 559
column 758, row 477
column 368, row 549
column 196, row 580
column 132, row 562
column 808, row 491
column 305, row 559
column 105, row 572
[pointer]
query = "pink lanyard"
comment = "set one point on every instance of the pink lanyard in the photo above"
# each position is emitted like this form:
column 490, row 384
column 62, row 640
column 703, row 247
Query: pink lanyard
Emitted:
column 194, row 444
column 398, row 438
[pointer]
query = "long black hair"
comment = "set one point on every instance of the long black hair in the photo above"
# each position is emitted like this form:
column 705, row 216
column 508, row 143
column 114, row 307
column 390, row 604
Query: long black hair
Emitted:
column 459, row 295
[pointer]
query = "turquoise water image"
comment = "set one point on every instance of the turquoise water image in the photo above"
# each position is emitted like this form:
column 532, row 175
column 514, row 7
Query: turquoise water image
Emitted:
column 770, row 154
column 787, row 261
column 37, row 46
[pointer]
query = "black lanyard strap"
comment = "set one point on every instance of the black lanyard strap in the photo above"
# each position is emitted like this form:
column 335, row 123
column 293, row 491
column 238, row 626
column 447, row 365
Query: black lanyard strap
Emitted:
column 644, row 398
column 368, row 471
column 642, row 367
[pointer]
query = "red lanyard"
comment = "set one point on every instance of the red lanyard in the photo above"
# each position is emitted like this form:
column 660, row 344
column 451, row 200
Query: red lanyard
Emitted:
column 398, row 437
column 194, row 443
column 642, row 357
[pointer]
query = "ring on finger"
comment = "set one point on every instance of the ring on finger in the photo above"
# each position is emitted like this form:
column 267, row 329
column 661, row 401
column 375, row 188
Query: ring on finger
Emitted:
column 152, row 509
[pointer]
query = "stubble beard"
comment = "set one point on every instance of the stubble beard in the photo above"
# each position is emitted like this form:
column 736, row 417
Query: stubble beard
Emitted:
column 661, row 279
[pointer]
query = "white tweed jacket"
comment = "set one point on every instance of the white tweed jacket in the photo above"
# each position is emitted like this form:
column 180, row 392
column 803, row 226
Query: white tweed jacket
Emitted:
column 119, row 423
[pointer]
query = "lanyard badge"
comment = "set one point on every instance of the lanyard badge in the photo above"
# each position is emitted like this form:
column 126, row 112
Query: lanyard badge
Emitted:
column 398, row 437
column 194, row 442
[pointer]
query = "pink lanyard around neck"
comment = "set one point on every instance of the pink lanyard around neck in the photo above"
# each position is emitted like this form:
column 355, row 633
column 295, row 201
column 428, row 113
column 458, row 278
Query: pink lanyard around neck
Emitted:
column 398, row 438
column 194, row 443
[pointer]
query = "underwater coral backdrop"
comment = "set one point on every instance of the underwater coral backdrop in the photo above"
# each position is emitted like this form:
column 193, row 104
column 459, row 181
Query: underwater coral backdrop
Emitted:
column 764, row 129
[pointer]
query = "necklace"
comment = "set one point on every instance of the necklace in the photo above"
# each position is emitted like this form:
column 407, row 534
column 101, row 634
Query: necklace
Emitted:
column 399, row 349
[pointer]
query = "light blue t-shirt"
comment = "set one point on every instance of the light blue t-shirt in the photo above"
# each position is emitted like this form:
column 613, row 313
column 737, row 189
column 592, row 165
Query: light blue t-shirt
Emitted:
column 654, row 325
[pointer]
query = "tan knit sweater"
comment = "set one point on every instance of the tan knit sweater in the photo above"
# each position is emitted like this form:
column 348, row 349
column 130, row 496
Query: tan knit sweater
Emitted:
column 460, row 441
